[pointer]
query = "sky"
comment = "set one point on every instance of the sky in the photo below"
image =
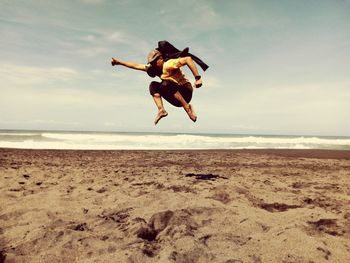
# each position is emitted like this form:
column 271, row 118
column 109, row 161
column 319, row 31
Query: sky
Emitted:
column 275, row 67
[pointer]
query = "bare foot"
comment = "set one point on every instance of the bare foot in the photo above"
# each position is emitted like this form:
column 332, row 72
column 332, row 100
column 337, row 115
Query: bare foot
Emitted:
column 190, row 112
column 161, row 114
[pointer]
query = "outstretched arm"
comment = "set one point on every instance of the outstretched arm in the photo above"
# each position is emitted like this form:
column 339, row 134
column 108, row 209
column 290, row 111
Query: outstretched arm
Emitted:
column 131, row 65
column 189, row 62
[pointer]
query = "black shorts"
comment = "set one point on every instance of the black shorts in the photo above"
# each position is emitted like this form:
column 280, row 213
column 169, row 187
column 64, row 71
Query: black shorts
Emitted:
column 167, row 88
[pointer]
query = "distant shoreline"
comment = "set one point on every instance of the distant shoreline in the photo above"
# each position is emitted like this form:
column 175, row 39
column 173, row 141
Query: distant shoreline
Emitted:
column 295, row 153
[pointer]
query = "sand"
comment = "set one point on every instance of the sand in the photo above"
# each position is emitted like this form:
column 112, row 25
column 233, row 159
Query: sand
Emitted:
column 174, row 206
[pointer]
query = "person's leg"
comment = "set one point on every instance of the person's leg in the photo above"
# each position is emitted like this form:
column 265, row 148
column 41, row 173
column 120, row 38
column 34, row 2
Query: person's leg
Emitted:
column 155, row 92
column 161, row 111
column 173, row 95
column 186, row 91
column 187, row 107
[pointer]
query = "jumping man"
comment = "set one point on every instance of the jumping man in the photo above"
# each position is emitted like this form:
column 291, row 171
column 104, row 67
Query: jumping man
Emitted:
column 174, row 87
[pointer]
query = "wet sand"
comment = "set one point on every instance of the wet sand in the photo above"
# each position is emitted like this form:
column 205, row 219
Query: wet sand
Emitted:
column 175, row 206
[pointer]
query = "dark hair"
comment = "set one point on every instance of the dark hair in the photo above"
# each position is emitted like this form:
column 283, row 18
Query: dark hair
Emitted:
column 154, row 62
column 153, row 71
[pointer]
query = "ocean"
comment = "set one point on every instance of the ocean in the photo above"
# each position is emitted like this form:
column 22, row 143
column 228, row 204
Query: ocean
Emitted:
column 144, row 141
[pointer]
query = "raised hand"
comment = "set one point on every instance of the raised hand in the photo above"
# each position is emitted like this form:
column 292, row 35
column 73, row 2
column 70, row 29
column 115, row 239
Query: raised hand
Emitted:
column 115, row 62
column 198, row 83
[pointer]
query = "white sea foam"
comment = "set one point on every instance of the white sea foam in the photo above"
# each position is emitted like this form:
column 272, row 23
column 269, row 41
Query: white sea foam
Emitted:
column 90, row 140
column 286, row 140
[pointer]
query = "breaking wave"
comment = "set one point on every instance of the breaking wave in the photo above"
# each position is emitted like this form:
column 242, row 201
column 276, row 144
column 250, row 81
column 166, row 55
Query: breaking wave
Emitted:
column 109, row 141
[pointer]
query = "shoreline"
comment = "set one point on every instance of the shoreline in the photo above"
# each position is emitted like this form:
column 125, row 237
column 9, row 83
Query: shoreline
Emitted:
column 298, row 153
column 271, row 205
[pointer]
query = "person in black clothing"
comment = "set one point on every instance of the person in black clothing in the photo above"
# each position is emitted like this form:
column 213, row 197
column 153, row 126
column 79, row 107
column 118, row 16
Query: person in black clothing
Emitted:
column 174, row 87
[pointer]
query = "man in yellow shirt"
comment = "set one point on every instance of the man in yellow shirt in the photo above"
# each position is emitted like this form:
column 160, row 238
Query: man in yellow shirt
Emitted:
column 174, row 87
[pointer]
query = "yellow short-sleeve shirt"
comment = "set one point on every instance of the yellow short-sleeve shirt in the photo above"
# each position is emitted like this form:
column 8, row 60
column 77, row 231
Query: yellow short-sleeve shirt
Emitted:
column 172, row 71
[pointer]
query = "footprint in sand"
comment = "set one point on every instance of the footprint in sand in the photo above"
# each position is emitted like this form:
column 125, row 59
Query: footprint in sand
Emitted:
column 325, row 225
column 120, row 217
column 221, row 196
column 277, row 207
column 206, row 177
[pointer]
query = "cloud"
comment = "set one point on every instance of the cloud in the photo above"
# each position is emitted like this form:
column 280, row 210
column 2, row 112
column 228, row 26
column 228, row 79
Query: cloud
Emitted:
column 245, row 127
column 211, row 82
column 95, row 2
column 32, row 97
column 314, row 90
column 205, row 17
column 121, row 37
column 11, row 74
column 105, row 42
column 92, row 1
column 188, row 17
column 55, row 122
column 313, row 106
column 118, row 37
column 93, row 51
column 89, row 38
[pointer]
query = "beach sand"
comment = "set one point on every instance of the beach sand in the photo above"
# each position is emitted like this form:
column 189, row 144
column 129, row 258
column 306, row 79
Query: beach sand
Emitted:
column 175, row 206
